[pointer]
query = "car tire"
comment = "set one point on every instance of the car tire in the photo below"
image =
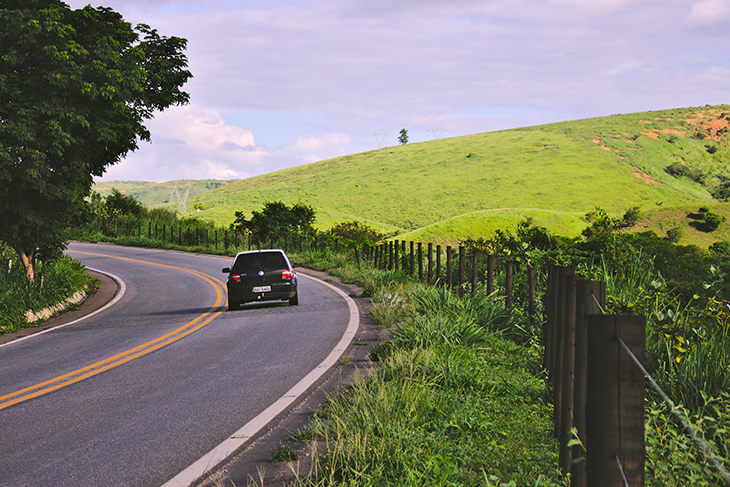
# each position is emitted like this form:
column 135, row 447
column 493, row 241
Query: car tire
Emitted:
column 294, row 300
column 233, row 305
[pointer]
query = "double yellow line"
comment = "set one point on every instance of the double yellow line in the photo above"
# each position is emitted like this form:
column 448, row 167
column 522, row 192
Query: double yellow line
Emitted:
column 124, row 357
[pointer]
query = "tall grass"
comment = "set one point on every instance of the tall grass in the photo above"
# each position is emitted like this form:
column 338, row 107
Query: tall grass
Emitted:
column 452, row 401
column 57, row 281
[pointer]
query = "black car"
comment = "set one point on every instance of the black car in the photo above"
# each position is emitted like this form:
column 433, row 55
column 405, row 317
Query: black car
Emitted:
column 261, row 275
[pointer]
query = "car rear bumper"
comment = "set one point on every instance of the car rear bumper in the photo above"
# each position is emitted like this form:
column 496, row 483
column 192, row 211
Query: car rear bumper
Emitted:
column 245, row 294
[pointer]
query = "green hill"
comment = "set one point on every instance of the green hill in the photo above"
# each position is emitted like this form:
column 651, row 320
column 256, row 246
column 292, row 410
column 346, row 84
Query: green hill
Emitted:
column 171, row 193
column 665, row 162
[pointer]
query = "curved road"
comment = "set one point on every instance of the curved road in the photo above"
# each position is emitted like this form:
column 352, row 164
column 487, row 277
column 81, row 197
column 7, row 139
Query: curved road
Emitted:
column 137, row 393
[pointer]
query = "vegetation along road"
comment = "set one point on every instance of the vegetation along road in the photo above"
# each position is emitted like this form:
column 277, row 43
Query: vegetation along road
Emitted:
column 139, row 392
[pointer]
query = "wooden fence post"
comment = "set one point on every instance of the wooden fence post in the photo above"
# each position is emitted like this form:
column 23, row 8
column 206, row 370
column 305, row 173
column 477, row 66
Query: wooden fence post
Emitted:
column 615, row 401
column 590, row 300
column 429, row 261
column 474, row 272
column 438, row 265
column 413, row 261
column 566, row 410
column 449, row 267
column 559, row 341
column 396, row 257
column 462, row 257
column 420, row 261
column 550, row 318
column 390, row 256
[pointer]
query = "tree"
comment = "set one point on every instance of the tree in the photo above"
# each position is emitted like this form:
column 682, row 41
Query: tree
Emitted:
column 75, row 89
column 118, row 203
column 403, row 137
column 275, row 221
column 359, row 233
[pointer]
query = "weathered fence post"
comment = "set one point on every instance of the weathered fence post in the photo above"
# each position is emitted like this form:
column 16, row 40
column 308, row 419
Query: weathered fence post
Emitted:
column 566, row 378
column 462, row 258
column 550, row 319
column 590, row 300
column 390, row 256
column 396, row 257
column 449, row 267
column 508, row 283
column 559, row 341
column 615, row 401
column 474, row 272
column 420, row 261
column 429, row 260
column 438, row 265
column 413, row 260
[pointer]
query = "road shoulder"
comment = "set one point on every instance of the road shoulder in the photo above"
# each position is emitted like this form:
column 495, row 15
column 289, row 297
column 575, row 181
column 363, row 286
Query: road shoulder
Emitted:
column 106, row 291
column 252, row 466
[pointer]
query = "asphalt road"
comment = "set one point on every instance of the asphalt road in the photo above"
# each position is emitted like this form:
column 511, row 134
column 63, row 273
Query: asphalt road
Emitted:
column 140, row 391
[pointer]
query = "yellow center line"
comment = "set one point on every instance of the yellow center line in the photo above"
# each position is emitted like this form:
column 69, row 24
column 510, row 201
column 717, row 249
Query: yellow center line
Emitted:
column 124, row 357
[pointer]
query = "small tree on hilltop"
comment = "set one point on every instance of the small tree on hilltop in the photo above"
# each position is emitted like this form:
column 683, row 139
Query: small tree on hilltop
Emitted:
column 403, row 137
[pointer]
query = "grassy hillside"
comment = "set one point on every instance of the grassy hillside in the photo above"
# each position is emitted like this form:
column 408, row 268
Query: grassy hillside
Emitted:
column 159, row 194
column 467, row 186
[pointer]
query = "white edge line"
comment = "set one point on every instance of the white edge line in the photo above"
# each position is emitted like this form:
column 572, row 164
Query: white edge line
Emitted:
column 117, row 297
column 229, row 446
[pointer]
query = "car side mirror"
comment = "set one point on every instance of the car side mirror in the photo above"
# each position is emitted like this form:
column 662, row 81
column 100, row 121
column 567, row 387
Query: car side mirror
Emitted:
column 226, row 270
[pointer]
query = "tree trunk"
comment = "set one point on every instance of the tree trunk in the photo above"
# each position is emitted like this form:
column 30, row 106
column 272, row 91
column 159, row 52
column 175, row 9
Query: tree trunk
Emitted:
column 28, row 260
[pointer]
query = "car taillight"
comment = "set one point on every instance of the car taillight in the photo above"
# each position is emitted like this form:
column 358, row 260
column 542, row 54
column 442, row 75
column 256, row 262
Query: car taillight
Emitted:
column 287, row 274
column 236, row 278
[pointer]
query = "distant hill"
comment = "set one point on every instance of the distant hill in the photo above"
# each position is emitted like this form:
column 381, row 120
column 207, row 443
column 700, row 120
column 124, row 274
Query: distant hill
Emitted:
column 171, row 193
column 666, row 162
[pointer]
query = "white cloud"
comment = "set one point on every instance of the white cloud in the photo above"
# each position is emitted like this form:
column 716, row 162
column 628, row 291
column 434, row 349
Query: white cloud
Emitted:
column 313, row 79
column 191, row 142
column 710, row 13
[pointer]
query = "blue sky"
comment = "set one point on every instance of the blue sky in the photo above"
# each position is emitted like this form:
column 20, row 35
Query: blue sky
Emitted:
column 282, row 83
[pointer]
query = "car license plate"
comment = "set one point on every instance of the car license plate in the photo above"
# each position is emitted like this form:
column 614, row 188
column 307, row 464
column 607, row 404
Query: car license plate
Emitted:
column 262, row 289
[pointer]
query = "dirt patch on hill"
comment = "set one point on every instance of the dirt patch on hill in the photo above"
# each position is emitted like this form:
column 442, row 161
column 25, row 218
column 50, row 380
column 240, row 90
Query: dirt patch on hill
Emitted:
column 647, row 179
column 713, row 123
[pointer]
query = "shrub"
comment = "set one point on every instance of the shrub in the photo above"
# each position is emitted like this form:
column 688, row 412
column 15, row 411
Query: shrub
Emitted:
column 674, row 234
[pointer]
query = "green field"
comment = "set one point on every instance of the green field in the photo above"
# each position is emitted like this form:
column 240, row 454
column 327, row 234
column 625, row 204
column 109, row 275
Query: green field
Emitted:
column 448, row 189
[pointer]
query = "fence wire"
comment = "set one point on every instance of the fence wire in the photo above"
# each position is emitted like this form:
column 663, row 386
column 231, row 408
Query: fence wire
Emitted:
column 686, row 424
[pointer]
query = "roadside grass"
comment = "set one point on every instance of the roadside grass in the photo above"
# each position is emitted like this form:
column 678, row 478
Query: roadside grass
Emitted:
column 58, row 281
column 451, row 401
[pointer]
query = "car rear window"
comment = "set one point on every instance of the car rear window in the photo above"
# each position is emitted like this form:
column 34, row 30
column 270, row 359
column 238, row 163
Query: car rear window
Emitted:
column 263, row 261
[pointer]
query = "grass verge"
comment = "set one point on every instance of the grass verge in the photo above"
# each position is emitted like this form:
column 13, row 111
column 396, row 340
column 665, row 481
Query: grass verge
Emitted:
column 451, row 402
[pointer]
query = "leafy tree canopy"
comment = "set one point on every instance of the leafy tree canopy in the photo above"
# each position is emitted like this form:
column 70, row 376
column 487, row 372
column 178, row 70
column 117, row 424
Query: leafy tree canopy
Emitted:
column 357, row 232
column 75, row 89
column 275, row 221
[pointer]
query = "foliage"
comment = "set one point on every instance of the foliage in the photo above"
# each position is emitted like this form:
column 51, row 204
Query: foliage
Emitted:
column 357, row 233
column 451, row 403
column 78, row 85
column 707, row 221
column 678, row 170
column 403, row 137
column 275, row 221
column 121, row 204
column 60, row 279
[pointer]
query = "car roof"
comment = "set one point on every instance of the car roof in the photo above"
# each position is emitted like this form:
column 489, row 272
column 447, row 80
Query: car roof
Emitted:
column 260, row 251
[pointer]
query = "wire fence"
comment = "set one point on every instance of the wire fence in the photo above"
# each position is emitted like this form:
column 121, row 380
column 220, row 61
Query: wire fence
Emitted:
column 595, row 363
